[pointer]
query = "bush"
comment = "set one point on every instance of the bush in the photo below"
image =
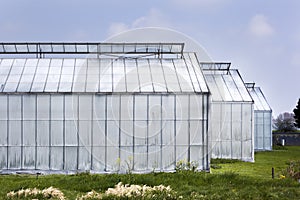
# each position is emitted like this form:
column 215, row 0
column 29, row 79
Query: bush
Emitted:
column 293, row 170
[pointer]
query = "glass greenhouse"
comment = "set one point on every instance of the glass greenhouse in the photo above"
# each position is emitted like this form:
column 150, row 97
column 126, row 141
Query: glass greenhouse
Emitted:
column 107, row 107
column 262, row 119
column 231, row 120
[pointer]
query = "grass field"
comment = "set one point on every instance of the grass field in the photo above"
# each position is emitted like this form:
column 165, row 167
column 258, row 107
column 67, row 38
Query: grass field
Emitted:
column 236, row 180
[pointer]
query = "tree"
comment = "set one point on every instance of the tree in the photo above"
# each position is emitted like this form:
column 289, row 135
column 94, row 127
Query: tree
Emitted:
column 297, row 114
column 285, row 122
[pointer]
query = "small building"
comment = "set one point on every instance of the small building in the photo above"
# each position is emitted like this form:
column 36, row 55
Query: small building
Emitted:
column 262, row 119
column 231, row 121
column 101, row 107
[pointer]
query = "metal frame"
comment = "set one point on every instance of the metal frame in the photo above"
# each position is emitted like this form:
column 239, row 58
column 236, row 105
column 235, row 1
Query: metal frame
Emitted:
column 40, row 49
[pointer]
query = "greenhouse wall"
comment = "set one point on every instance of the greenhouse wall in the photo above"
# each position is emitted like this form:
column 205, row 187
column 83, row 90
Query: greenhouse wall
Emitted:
column 262, row 130
column 231, row 121
column 102, row 133
column 262, row 119
column 231, row 131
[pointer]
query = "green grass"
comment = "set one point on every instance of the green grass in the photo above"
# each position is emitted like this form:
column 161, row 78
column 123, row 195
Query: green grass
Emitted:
column 264, row 161
column 234, row 180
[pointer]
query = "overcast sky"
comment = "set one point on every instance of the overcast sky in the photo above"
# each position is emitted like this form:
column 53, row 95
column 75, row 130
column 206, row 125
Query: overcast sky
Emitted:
column 260, row 38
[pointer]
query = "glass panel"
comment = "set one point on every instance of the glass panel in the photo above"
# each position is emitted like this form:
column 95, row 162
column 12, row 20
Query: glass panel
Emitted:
column 3, row 106
column 99, row 159
column 196, row 105
column 222, row 88
column 29, row 70
column 140, row 103
column 127, row 133
column 56, row 133
column 182, row 107
column 81, row 48
column 3, row 133
column 198, row 72
column 183, row 76
column 240, row 84
column 58, row 48
column 99, row 107
column 4, row 70
column 14, row 157
column 85, row 128
column 154, row 132
column 140, row 133
column 29, row 133
column 196, row 132
column 15, row 108
column 56, row 158
column 69, row 48
column 168, row 133
column 14, row 136
column 46, row 48
column 39, row 83
column 262, row 99
column 98, row 138
column 233, row 90
column 85, row 107
column 21, row 48
column 42, row 161
column 113, row 107
column 127, row 107
column 28, row 158
column 29, row 104
column 71, row 158
column 154, row 107
column 71, row 133
column 84, row 158
column 182, row 133
column 43, row 107
column 168, row 107
column 43, row 133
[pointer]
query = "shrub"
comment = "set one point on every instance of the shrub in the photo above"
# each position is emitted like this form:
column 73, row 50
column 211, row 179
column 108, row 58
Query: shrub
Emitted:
column 183, row 165
column 293, row 170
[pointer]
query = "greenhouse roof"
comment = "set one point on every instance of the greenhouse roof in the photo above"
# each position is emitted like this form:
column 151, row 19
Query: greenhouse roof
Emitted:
column 120, row 74
column 225, row 84
column 49, row 49
column 260, row 102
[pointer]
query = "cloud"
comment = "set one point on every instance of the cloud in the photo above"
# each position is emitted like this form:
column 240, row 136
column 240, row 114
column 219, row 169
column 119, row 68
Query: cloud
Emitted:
column 260, row 27
column 117, row 27
column 154, row 18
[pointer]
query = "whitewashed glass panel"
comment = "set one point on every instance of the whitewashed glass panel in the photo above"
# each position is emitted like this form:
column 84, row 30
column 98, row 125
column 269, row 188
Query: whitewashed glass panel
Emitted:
column 71, row 158
column 3, row 133
column 42, row 133
column 14, row 135
column 28, row 158
column 29, row 132
column 84, row 158
column 85, row 133
column 57, row 130
column 15, row 107
column 56, row 157
column 43, row 107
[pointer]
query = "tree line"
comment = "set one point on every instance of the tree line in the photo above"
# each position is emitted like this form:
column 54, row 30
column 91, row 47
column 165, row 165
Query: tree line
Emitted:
column 288, row 122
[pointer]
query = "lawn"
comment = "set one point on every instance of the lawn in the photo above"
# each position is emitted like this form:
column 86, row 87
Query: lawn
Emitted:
column 237, row 180
column 264, row 162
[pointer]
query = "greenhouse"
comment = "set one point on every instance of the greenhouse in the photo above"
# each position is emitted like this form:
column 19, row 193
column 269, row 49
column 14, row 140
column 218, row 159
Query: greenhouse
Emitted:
column 104, row 108
column 231, row 120
column 262, row 119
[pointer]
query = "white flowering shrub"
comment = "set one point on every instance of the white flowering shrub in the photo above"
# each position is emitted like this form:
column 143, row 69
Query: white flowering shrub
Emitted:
column 47, row 193
column 132, row 192
column 183, row 165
